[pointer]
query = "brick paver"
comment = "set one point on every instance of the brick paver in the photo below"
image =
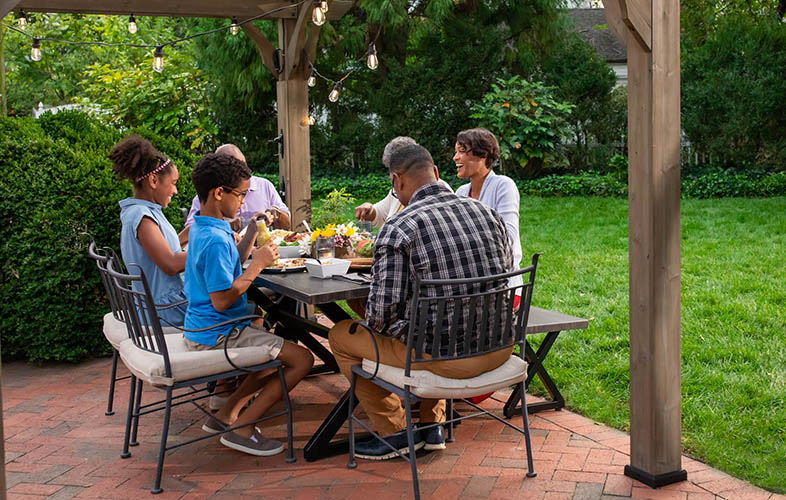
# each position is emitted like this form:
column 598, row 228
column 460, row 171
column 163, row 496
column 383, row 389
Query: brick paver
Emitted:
column 60, row 445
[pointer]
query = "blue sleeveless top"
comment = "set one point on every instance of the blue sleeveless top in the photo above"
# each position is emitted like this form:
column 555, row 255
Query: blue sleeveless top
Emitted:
column 165, row 289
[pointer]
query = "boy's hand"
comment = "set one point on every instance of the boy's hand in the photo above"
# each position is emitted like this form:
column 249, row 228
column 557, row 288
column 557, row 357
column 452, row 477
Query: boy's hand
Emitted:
column 265, row 255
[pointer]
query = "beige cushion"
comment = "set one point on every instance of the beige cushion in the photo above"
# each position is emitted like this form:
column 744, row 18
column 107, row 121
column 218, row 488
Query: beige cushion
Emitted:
column 186, row 365
column 426, row 384
column 115, row 330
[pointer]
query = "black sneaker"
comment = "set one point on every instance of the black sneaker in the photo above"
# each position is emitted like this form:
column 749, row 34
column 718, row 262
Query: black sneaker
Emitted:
column 435, row 438
column 377, row 450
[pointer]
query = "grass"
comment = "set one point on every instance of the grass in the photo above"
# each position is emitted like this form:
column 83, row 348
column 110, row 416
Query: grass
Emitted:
column 733, row 321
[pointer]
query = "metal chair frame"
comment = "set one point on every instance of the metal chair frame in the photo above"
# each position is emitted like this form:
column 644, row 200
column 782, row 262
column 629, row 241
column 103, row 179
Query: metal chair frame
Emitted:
column 144, row 329
column 500, row 327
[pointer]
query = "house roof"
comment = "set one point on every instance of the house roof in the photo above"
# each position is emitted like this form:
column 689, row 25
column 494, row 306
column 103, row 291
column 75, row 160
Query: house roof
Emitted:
column 591, row 24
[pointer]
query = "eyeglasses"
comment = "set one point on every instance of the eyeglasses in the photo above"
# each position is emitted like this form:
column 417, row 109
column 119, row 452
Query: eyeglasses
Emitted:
column 239, row 194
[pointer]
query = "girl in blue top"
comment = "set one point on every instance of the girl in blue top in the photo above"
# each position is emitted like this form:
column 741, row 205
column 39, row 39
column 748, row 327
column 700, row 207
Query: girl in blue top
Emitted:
column 147, row 239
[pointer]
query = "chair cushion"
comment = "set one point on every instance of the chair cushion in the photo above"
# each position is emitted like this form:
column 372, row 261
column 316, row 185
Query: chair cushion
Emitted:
column 115, row 330
column 426, row 384
column 186, row 365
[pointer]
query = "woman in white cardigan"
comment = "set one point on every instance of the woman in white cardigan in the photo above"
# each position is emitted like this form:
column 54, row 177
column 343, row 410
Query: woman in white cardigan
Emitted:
column 476, row 151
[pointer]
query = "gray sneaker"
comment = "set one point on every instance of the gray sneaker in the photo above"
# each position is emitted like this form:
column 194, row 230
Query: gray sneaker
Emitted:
column 257, row 444
column 213, row 425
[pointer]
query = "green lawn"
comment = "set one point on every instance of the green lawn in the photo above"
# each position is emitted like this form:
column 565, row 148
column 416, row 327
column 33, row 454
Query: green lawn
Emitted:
column 733, row 321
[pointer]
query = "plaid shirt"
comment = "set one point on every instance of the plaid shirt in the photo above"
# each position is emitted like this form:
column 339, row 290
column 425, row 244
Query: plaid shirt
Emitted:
column 439, row 235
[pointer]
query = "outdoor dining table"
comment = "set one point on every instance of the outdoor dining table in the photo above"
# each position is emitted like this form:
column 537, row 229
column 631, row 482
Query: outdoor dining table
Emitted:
column 325, row 293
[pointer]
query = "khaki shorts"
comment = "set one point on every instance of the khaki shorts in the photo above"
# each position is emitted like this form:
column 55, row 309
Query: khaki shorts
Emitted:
column 249, row 336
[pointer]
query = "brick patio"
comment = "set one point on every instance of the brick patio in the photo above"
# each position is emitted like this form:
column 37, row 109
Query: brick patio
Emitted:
column 59, row 444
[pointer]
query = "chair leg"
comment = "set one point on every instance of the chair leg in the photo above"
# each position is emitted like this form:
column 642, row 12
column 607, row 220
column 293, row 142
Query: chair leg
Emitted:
column 449, row 413
column 111, row 398
column 138, row 403
column 524, row 413
column 411, row 442
column 162, row 451
column 288, row 403
column 352, row 464
column 129, row 413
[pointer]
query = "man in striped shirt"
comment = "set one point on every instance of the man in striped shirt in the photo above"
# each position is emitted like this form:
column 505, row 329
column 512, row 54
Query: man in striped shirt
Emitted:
column 439, row 235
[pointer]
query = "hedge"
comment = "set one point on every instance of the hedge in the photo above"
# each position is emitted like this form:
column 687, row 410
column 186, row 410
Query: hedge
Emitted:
column 56, row 182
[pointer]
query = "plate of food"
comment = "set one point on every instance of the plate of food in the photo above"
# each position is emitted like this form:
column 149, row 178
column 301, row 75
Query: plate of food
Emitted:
column 286, row 266
column 290, row 244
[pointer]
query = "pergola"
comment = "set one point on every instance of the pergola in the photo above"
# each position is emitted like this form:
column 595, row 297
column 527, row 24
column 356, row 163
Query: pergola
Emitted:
column 650, row 29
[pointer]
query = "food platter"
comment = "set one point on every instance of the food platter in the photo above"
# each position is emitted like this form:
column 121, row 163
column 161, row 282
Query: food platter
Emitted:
column 286, row 266
column 360, row 264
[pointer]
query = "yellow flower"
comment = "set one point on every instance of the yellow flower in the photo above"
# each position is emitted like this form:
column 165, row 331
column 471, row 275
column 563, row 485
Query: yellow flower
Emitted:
column 350, row 231
column 327, row 233
column 314, row 235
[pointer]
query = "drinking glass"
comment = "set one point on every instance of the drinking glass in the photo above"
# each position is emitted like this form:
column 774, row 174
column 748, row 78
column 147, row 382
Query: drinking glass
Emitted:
column 326, row 249
column 365, row 226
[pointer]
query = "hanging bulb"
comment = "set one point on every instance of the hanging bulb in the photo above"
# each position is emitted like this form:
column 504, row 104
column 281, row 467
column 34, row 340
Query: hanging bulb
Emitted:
column 312, row 78
column 333, row 97
column 21, row 20
column 324, row 6
column 311, row 120
column 35, row 53
column 234, row 27
column 131, row 24
column 158, row 59
column 318, row 15
column 372, row 62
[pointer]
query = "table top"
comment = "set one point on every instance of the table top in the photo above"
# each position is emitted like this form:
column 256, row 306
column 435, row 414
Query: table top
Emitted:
column 310, row 290
column 305, row 288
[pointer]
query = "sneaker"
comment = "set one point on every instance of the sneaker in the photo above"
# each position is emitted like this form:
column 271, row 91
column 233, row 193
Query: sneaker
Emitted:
column 375, row 449
column 435, row 438
column 217, row 402
column 213, row 425
column 257, row 444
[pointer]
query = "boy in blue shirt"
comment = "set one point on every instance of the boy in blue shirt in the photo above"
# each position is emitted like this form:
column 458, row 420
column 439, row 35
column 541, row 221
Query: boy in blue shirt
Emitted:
column 216, row 285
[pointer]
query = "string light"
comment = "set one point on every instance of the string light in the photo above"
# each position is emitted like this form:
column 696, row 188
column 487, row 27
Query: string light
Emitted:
column 21, row 19
column 158, row 59
column 318, row 15
column 131, row 24
column 372, row 62
column 324, row 6
column 333, row 97
column 233, row 28
column 35, row 53
column 311, row 120
column 312, row 78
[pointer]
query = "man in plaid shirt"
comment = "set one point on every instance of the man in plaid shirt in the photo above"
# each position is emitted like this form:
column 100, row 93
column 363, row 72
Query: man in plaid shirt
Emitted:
column 439, row 235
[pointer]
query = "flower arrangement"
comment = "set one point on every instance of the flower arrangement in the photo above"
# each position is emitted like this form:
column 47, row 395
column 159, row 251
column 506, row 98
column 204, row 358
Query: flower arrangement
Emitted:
column 344, row 235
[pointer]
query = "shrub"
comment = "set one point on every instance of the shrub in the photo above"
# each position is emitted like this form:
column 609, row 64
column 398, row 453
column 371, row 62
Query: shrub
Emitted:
column 55, row 183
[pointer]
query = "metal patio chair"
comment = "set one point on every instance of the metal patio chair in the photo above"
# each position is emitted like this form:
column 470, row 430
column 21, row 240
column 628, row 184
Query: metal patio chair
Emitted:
column 164, row 362
column 482, row 304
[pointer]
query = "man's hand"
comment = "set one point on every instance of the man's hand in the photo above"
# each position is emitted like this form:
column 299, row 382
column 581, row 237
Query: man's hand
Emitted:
column 366, row 211
column 269, row 218
column 264, row 255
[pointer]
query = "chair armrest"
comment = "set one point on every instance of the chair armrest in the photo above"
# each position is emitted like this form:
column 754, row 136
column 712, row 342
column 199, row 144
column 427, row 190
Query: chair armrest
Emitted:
column 353, row 328
column 161, row 307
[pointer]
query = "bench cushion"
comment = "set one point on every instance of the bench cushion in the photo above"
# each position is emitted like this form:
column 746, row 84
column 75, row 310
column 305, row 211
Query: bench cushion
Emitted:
column 426, row 384
column 186, row 365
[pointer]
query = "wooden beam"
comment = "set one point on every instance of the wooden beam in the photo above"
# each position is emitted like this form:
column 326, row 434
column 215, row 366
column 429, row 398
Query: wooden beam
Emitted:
column 611, row 8
column 637, row 15
column 264, row 47
column 297, row 39
column 311, row 43
column 7, row 6
column 654, row 240
column 192, row 8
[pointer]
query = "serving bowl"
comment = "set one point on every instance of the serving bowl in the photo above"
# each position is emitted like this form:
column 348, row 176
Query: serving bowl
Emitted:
column 336, row 267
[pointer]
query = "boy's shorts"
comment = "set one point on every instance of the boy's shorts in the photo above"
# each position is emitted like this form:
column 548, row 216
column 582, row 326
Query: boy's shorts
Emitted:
column 248, row 336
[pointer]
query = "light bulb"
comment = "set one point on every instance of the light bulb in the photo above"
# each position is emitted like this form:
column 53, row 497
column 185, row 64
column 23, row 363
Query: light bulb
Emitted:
column 234, row 27
column 318, row 15
column 35, row 53
column 311, row 120
column 22, row 20
column 131, row 24
column 324, row 6
column 333, row 97
column 158, row 59
column 372, row 62
column 312, row 78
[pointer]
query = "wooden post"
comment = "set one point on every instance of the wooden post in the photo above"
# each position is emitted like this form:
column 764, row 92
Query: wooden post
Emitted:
column 654, row 236
column 294, row 161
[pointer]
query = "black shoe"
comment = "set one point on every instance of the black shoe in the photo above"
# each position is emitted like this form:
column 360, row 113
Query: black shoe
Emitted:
column 377, row 450
column 435, row 438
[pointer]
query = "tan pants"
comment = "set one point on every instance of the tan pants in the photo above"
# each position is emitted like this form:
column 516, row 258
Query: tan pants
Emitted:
column 383, row 407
